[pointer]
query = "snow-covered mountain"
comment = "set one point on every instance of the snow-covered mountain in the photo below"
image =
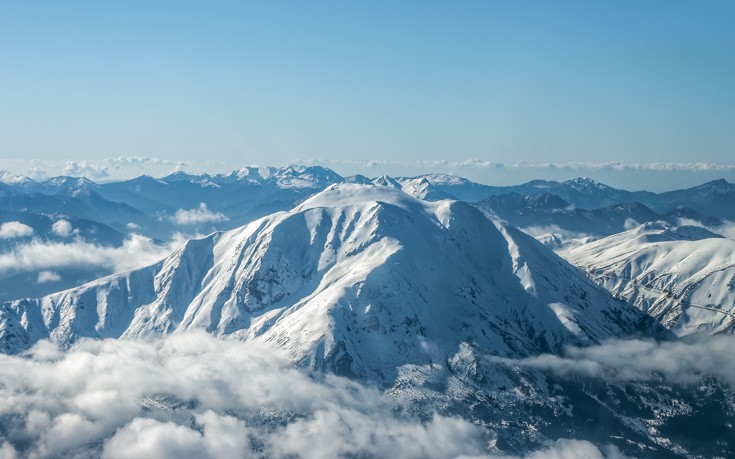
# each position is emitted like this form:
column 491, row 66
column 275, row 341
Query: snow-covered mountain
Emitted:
column 357, row 279
column 682, row 276
column 440, row 305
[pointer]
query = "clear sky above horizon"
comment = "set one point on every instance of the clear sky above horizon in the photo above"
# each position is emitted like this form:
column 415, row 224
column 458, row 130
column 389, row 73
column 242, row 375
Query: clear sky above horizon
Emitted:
column 365, row 83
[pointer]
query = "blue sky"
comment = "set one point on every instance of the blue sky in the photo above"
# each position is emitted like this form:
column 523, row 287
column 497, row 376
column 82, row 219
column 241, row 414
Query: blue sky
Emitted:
column 354, row 84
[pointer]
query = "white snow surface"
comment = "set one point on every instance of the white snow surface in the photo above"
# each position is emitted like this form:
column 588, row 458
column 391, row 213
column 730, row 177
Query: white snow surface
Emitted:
column 359, row 279
column 682, row 276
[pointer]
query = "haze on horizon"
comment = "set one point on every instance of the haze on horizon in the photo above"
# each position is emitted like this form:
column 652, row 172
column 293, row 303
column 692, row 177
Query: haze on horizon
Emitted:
column 636, row 95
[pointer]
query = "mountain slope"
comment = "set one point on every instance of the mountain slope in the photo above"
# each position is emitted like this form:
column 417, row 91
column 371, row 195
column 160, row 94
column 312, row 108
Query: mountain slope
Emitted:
column 713, row 198
column 684, row 277
column 357, row 279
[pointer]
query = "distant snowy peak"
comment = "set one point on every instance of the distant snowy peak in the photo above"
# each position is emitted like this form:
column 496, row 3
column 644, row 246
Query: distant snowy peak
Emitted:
column 358, row 179
column 661, row 232
column 445, row 179
column 58, row 184
column 584, row 184
column 9, row 178
column 357, row 279
column 293, row 176
column 682, row 276
column 385, row 180
column 204, row 180
column 299, row 176
column 426, row 187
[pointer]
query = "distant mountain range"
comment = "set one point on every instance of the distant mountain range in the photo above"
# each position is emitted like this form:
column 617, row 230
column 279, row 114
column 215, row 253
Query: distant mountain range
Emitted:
column 160, row 208
column 253, row 192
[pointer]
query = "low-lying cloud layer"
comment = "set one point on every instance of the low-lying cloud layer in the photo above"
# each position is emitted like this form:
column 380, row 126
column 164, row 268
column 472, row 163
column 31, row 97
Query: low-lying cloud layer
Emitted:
column 641, row 360
column 198, row 396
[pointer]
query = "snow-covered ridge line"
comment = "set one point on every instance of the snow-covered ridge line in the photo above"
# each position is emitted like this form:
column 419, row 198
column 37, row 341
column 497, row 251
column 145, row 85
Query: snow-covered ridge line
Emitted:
column 682, row 276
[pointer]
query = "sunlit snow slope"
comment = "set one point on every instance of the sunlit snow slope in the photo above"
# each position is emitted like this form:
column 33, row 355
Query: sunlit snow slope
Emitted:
column 359, row 279
column 684, row 277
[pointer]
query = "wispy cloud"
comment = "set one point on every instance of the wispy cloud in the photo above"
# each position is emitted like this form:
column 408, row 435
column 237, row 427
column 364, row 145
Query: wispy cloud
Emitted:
column 641, row 360
column 117, row 167
column 480, row 163
column 726, row 229
column 48, row 276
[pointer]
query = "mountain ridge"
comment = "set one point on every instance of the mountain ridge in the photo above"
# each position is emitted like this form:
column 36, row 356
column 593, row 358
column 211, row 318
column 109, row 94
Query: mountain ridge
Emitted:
column 321, row 280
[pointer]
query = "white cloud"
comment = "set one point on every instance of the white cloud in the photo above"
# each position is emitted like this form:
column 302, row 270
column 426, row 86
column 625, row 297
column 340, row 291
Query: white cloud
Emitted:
column 641, row 360
column 198, row 216
column 630, row 223
column 62, row 228
column 196, row 395
column 11, row 179
column 11, row 230
column 48, row 276
column 726, row 229
column 36, row 255
column 151, row 438
column 481, row 163
column 7, row 451
column 97, row 391
column 118, row 167
column 86, row 168
column 129, row 166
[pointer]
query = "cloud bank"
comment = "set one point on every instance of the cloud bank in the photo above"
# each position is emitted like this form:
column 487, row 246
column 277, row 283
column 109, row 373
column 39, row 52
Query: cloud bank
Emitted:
column 489, row 164
column 195, row 395
column 36, row 255
column 641, row 360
